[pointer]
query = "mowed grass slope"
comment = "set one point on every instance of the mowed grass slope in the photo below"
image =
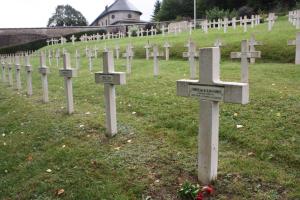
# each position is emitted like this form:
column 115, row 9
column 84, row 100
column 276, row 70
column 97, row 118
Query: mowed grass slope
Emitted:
column 156, row 148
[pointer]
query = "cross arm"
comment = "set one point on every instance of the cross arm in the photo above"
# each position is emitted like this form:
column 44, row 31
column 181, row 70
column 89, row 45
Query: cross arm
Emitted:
column 221, row 91
column 254, row 54
column 116, row 78
column 187, row 55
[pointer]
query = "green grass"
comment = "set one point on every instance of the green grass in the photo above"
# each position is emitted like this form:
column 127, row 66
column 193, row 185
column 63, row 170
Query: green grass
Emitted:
column 259, row 161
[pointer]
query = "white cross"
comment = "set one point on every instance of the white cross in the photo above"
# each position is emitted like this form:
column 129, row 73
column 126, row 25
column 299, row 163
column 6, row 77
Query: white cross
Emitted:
column 57, row 56
column 96, row 51
column 77, row 58
column 147, row 47
column 244, row 55
column 44, row 71
column 297, row 44
column 117, row 49
column 167, row 47
column 252, row 44
column 73, row 38
column 50, row 57
column 225, row 22
column 191, row 55
column 234, row 23
column 152, row 31
column 110, row 78
column 9, row 69
column 211, row 91
column 18, row 72
column 218, row 43
column 245, row 24
column 129, row 56
column 68, row 73
column 90, row 56
column 48, row 42
column 28, row 70
column 3, row 70
column 156, row 54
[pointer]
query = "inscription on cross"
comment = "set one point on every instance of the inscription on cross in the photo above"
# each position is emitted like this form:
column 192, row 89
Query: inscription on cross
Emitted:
column 244, row 55
column 297, row 44
column 110, row 79
column 210, row 90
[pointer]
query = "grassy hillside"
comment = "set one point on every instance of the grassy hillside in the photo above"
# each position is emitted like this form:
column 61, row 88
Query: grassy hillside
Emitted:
column 43, row 150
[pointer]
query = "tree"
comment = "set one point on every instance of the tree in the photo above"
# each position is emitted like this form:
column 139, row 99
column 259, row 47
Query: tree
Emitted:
column 157, row 6
column 66, row 15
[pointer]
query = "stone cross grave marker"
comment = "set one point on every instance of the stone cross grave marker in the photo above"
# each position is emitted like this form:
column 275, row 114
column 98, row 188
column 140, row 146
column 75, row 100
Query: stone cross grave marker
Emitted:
column 210, row 90
column 252, row 44
column 167, row 47
column 297, row 44
column 44, row 71
column 147, row 48
column 152, row 31
column 271, row 20
column 90, row 57
column 68, row 73
column 225, row 23
column 234, row 23
column 156, row 54
column 245, row 24
column 129, row 57
column 57, row 56
column 191, row 55
column 77, row 59
column 9, row 69
column 50, row 57
column 28, row 70
column 18, row 72
column 73, row 38
column 96, row 49
column 244, row 55
column 117, row 49
column 110, row 79
column 3, row 70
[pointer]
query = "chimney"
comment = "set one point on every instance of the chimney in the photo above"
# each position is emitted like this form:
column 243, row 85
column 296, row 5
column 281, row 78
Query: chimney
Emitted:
column 106, row 7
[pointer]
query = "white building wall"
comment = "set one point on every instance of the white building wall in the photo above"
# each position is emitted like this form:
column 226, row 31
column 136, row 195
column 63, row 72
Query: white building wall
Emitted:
column 121, row 15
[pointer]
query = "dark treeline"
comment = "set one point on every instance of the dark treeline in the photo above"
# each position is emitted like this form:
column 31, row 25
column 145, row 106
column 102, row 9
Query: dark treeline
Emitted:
column 172, row 9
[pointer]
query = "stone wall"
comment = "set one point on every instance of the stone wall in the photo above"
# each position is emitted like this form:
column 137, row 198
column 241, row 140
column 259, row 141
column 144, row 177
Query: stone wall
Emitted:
column 16, row 36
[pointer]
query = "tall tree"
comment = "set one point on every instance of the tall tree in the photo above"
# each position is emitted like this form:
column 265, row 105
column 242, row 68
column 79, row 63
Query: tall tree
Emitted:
column 66, row 15
column 157, row 6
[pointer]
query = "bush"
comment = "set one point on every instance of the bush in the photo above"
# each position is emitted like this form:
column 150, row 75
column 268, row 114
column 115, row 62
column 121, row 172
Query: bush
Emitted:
column 216, row 13
column 245, row 11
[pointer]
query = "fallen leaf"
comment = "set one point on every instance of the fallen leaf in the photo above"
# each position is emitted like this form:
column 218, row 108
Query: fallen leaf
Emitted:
column 60, row 192
column 129, row 141
column 278, row 115
column 117, row 148
column 235, row 114
column 3, row 135
column 239, row 126
column 29, row 158
column 49, row 170
column 251, row 154
column 63, row 146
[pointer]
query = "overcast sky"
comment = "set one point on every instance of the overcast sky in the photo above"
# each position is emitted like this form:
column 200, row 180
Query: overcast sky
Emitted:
column 35, row 13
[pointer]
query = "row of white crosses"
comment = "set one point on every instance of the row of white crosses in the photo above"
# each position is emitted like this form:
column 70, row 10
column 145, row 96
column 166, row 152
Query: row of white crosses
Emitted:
column 294, row 18
column 254, row 21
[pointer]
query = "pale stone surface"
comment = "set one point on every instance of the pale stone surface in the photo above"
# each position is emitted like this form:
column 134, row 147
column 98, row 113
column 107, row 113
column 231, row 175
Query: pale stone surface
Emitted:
column 129, row 57
column 28, row 70
column 167, row 47
column 297, row 44
column 211, row 90
column 77, row 59
column 3, row 70
column 18, row 73
column 252, row 44
column 191, row 55
column 68, row 73
column 9, row 69
column 117, row 49
column 110, row 78
column 244, row 55
column 156, row 54
column 147, row 48
column 44, row 71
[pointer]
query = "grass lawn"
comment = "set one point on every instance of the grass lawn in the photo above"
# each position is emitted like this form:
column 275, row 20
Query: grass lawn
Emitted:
column 44, row 150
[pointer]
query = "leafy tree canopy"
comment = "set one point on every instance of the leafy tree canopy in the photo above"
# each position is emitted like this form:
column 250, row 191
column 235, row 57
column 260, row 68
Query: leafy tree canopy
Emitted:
column 66, row 15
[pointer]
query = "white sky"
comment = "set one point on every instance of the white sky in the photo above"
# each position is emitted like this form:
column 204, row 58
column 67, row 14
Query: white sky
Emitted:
column 35, row 13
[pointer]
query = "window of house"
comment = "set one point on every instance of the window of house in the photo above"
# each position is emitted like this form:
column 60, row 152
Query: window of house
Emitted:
column 113, row 16
column 129, row 16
